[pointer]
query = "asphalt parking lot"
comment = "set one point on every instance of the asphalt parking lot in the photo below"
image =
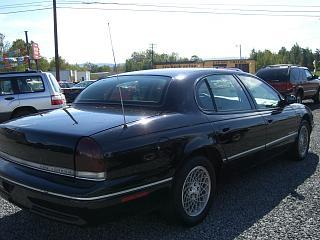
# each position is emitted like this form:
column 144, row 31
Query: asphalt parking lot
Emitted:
column 277, row 200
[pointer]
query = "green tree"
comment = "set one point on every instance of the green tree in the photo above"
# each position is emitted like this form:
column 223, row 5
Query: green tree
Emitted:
column 64, row 65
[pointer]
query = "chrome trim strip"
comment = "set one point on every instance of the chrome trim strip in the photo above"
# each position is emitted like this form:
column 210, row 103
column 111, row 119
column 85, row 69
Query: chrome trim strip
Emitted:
column 282, row 139
column 92, row 176
column 310, row 90
column 89, row 198
column 256, row 149
column 262, row 147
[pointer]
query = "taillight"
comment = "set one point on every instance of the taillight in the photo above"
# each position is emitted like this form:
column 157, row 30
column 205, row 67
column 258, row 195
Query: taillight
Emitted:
column 57, row 99
column 89, row 163
column 289, row 86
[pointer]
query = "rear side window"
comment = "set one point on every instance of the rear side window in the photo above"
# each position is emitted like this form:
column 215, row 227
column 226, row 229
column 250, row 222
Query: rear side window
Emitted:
column 274, row 74
column 6, row 86
column 30, row 84
column 228, row 94
column 294, row 75
column 204, row 97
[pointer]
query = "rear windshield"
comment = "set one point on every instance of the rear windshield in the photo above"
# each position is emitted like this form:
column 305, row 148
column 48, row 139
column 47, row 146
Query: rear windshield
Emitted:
column 274, row 74
column 135, row 89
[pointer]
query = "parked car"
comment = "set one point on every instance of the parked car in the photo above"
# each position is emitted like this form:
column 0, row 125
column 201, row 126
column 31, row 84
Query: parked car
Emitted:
column 23, row 93
column 66, row 84
column 73, row 92
column 291, row 79
column 177, row 130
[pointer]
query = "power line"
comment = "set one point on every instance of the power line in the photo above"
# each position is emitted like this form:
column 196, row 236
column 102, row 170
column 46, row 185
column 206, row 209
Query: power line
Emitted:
column 192, row 12
column 192, row 7
column 23, row 11
column 212, row 11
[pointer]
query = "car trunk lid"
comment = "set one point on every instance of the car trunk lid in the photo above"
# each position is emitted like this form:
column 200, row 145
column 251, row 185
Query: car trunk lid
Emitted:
column 47, row 141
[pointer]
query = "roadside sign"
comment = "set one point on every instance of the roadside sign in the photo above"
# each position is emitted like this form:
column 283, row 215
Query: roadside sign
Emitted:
column 35, row 51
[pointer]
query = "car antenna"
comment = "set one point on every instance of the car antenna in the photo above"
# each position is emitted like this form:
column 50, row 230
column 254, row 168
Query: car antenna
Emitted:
column 116, row 68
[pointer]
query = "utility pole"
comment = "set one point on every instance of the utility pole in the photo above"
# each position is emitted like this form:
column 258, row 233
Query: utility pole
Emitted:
column 56, row 55
column 240, row 64
column 28, row 49
column 152, row 55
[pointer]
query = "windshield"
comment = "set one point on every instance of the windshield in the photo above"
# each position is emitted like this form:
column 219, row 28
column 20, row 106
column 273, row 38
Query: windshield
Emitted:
column 270, row 74
column 135, row 89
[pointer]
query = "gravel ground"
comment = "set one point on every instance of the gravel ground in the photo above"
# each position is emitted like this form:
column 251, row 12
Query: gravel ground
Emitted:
column 277, row 200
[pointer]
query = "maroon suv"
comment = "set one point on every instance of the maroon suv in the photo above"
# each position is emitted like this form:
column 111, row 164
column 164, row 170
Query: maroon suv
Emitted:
column 292, row 80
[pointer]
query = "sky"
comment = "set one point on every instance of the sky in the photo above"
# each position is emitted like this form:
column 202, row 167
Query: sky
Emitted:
column 84, row 37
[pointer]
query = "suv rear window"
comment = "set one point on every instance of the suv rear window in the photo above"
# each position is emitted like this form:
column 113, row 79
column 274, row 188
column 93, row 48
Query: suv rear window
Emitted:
column 135, row 89
column 272, row 74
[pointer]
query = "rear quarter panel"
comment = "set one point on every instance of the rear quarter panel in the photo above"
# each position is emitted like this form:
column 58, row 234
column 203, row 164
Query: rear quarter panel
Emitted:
column 154, row 148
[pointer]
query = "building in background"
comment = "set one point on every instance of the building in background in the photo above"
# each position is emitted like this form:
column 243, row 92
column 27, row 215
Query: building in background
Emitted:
column 73, row 75
column 246, row 65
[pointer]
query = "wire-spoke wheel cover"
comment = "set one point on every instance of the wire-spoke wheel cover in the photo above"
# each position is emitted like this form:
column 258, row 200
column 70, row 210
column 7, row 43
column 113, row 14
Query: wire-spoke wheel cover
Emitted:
column 303, row 141
column 196, row 191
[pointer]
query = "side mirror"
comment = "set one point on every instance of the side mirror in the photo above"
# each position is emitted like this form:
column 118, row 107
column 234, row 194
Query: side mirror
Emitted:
column 290, row 99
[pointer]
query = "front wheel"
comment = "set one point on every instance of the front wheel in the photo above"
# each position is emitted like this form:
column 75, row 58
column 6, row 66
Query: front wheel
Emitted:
column 301, row 145
column 316, row 97
column 299, row 97
column 193, row 191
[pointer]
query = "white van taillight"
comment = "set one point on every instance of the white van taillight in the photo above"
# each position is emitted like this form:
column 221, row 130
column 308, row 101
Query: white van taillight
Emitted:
column 57, row 99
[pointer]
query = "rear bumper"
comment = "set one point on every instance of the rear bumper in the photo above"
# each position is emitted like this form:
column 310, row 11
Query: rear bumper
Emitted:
column 73, row 201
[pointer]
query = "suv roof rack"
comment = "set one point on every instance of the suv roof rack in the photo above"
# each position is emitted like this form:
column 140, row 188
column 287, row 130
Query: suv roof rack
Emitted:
column 26, row 71
column 281, row 65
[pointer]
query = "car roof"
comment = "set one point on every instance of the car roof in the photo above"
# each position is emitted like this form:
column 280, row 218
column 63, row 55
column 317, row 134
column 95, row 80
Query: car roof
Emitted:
column 182, row 73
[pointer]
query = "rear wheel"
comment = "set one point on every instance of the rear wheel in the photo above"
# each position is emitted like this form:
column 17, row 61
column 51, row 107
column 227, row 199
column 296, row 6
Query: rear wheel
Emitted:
column 23, row 112
column 301, row 145
column 193, row 191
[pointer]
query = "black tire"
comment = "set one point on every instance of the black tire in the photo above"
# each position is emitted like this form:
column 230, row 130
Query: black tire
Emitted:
column 22, row 112
column 195, row 165
column 316, row 98
column 299, row 97
column 297, row 153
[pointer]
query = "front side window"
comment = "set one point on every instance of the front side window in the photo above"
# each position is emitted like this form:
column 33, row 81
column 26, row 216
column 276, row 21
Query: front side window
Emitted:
column 6, row 87
column 264, row 96
column 135, row 89
column 228, row 94
column 30, row 84
column 308, row 74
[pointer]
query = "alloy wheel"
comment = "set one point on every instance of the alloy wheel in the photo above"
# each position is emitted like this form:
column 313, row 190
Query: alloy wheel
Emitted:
column 303, row 141
column 196, row 191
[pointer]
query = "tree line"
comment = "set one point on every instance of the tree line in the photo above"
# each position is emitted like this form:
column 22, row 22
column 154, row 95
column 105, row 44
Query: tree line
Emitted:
column 296, row 55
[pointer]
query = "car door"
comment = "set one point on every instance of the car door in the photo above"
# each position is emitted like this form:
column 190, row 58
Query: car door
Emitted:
column 9, row 100
column 310, row 85
column 282, row 121
column 238, row 127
